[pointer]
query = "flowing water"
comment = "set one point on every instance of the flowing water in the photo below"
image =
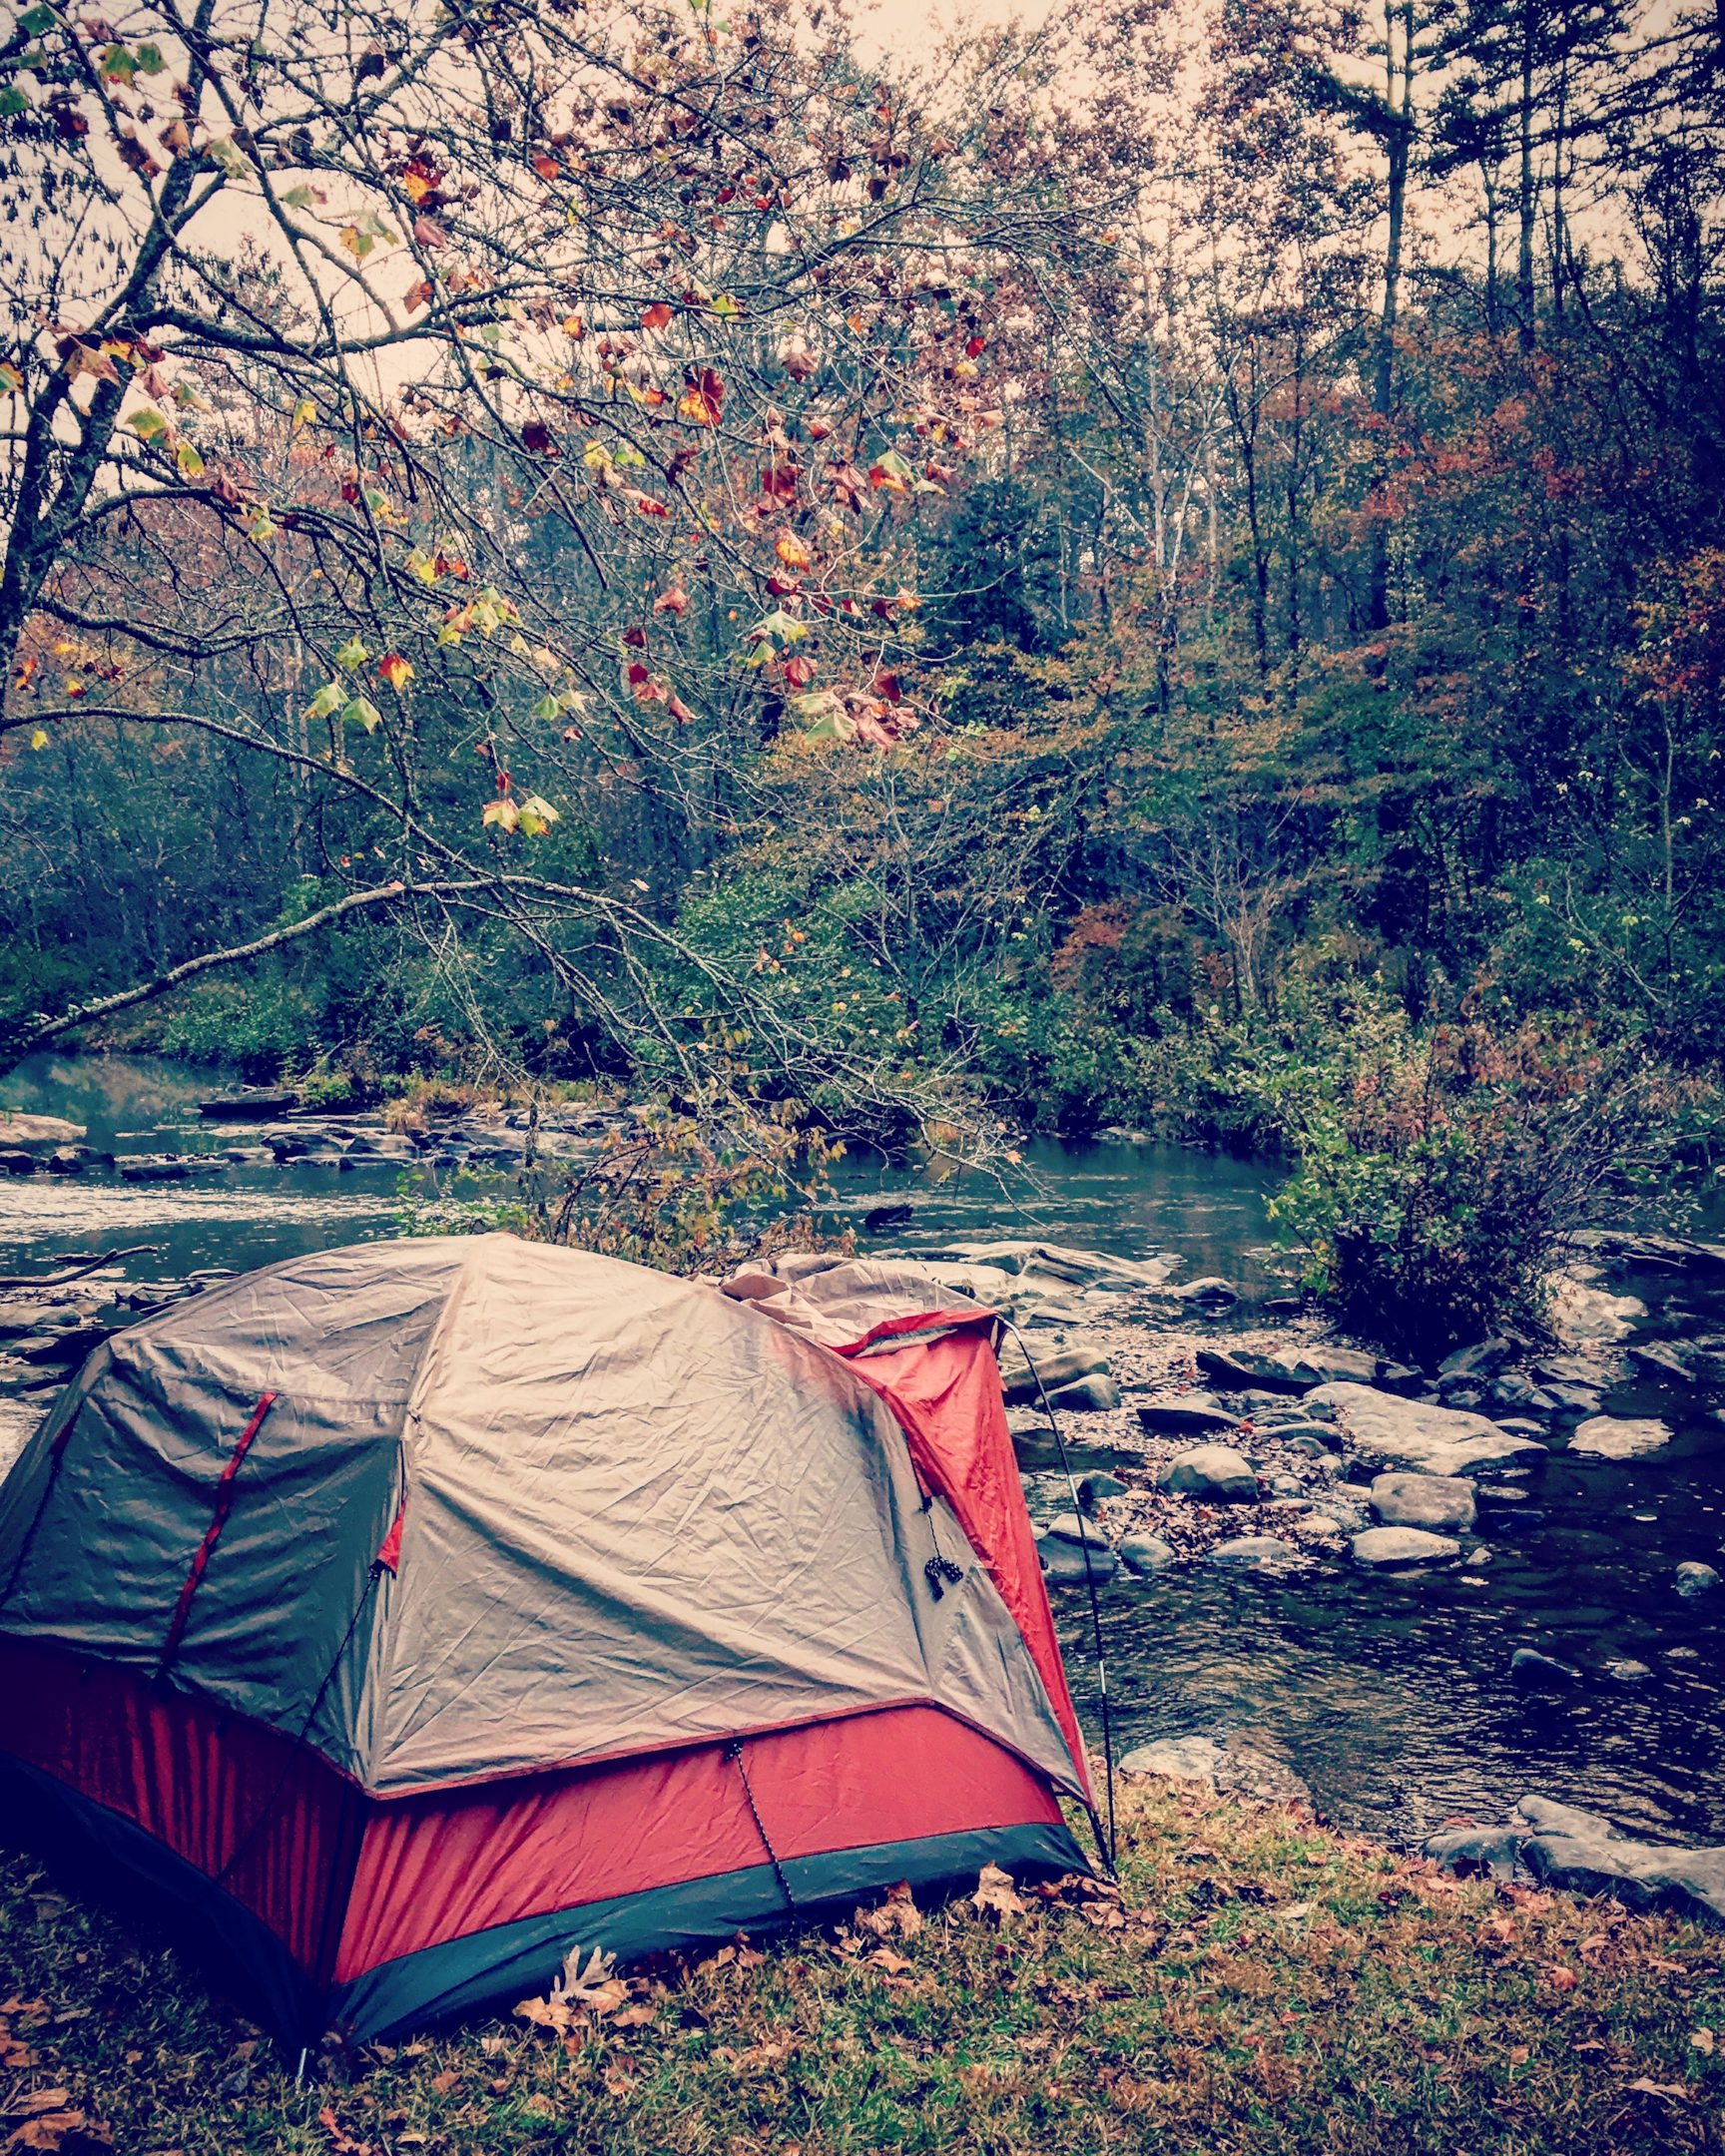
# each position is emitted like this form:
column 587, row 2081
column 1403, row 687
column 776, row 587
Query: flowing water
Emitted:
column 1391, row 1697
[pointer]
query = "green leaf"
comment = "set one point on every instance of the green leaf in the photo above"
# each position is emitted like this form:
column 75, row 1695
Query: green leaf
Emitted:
column 547, row 709
column 352, row 654
column 190, row 462
column 118, row 64
column 423, row 566
column 536, row 815
column 375, row 499
column 300, row 198
column 12, row 99
column 327, row 699
column 149, row 60
column 35, row 21
column 361, row 713
column 148, row 425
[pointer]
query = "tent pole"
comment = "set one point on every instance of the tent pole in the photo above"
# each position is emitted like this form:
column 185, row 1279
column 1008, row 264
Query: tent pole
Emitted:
column 1090, row 1583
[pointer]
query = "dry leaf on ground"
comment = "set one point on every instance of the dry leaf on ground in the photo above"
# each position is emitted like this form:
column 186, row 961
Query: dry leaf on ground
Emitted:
column 996, row 1894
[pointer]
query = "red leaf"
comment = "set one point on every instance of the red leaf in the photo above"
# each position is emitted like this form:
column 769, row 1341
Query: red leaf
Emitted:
column 799, row 672
column 536, row 435
column 420, row 293
column 427, row 232
column 545, row 167
column 675, row 601
column 886, row 687
column 974, row 347
column 656, row 316
column 635, row 639
column 679, row 710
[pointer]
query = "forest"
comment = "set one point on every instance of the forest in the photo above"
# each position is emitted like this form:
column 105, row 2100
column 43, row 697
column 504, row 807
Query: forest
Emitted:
column 1159, row 568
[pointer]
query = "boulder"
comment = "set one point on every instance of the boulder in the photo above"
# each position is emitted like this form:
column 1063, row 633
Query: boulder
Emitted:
column 1423, row 1500
column 1226, row 1765
column 1253, row 1550
column 1095, row 1487
column 15, row 1161
column 1191, row 1411
column 37, row 1133
column 1493, row 1851
column 1068, row 1564
column 1510, row 1389
column 1580, row 1313
column 1483, row 1359
column 69, row 1160
column 1337, row 1365
column 1214, row 1294
column 1094, row 1395
column 1695, row 1579
column 1576, row 1371
column 1584, row 1853
column 1663, row 1359
column 1437, row 1440
column 1071, row 1527
column 1210, row 1471
column 1567, row 1403
column 152, row 1171
column 1061, row 1367
column 1611, row 1437
column 1385, row 1549
column 1145, row 1554
column 1073, row 1268
column 1311, row 1437
column 1245, row 1372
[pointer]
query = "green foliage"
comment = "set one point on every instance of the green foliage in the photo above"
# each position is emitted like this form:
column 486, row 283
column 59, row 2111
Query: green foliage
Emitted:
column 1439, row 1172
column 261, row 1025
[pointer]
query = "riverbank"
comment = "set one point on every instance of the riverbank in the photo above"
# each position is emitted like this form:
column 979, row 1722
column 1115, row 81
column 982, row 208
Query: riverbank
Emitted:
column 1264, row 1983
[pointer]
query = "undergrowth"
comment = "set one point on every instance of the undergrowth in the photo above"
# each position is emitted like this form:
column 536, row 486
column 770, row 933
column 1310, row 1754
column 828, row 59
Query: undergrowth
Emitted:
column 1266, row 1985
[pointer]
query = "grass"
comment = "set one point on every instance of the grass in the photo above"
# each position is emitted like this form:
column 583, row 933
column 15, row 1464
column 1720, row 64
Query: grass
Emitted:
column 1266, row 1984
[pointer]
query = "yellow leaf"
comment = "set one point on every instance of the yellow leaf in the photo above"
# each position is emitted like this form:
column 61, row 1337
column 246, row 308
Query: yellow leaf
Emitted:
column 39, row 740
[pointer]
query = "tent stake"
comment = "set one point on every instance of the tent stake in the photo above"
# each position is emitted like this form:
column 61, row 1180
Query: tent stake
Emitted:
column 300, row 2070
column 1089, row 1581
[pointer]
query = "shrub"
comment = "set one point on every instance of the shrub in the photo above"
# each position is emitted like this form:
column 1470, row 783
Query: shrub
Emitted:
column 1440, row 1175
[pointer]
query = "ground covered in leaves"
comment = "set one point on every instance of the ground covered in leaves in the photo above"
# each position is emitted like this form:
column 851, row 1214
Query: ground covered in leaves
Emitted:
column 1262, row 1984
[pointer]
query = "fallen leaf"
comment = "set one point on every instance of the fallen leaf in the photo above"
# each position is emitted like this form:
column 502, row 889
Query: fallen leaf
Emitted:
column 1702, row 2039
column 1669, row 2089
column 447, row 2079
column 634, row 2018
column 886, row 1960
column 994, row 1896
column 897, row 1915
column 53, row 2099
column 1518, row 2054
column 1561, row 1978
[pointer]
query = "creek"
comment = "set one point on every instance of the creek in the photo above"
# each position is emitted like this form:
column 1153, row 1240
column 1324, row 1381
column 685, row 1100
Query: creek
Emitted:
column 1391, row 1696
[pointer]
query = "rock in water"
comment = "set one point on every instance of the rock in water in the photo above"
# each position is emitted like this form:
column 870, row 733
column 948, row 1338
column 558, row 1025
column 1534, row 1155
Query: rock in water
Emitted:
column 1388, row 1549
column 1423, row 1500
column 1067, row 1565
column 1531, row 1666
column 1145, row 1555
column 1694, row 1579
column 1437, row 1440
column 1255, row 1550
column 1608, row 1438
column 1210, row 1294
column 37, row 1133
column 1209, row 1471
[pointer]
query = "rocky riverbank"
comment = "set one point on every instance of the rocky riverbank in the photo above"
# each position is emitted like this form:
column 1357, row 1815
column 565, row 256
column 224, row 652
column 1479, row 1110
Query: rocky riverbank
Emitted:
column 1281, row 1447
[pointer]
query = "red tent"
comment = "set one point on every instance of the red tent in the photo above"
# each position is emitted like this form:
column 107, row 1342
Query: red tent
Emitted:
column 416, row 1612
